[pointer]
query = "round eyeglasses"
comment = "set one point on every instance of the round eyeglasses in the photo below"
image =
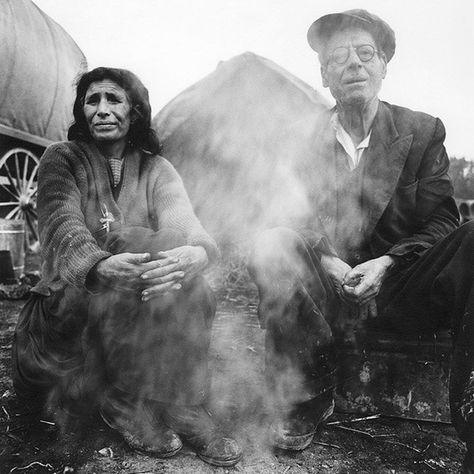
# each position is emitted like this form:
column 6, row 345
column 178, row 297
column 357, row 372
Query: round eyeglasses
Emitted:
column 365, row 53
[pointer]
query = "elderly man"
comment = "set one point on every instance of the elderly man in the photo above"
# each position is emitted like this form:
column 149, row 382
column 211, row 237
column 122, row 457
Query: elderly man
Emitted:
column 386, row 245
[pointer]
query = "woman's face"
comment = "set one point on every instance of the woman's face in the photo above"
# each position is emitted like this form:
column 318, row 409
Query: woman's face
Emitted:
column 107, row 111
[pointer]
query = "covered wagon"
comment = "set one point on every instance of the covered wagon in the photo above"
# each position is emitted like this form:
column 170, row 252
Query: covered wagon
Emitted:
column 40, row 62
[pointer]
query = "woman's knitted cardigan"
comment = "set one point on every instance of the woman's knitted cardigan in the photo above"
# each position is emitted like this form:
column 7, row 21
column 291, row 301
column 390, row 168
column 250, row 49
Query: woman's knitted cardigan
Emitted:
column 76, row 203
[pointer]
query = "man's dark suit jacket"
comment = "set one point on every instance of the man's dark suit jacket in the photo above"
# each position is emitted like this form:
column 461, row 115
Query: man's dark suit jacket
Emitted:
column 403, row 200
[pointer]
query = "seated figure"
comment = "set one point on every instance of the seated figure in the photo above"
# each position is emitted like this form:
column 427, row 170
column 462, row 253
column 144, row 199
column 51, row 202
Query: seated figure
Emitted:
column 122, row 316
column 384, row 244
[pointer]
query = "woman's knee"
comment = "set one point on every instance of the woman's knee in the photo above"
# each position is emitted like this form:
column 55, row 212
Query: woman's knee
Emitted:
column 142, row 239
column 201, row 295
column 167, row 239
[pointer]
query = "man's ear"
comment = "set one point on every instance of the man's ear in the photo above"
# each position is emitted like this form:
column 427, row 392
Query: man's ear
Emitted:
column 324, row 76
column 384, row 60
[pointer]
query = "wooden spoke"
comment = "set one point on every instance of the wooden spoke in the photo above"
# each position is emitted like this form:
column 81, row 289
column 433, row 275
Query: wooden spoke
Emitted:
column 9, row 192
column 11, row 180
column 32, row 179
column 19, row 183
column 25, row 174
column 18, row 190
column 14, row 213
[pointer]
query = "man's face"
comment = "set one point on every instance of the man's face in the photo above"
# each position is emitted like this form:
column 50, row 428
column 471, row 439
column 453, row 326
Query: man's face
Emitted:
column 354, row 82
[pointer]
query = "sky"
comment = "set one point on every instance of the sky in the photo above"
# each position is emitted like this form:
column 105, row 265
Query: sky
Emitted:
column 171, row 44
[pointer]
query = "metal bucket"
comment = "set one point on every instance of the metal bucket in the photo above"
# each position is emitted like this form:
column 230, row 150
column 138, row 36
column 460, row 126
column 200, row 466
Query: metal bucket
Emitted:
column 12, row 238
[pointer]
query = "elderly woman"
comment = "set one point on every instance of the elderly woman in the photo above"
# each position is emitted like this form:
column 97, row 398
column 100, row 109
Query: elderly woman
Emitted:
column 122, row 316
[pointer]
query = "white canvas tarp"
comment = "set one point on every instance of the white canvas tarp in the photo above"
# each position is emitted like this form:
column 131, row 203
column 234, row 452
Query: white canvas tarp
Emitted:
column 39, row 64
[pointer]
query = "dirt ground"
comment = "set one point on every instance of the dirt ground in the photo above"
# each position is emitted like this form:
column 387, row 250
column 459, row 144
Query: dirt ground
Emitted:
column 33, row 444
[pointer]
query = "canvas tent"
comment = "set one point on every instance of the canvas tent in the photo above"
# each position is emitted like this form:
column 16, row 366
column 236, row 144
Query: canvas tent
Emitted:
column 237, row 138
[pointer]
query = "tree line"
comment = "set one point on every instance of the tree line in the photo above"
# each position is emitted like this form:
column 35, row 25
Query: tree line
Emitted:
column 462, row 174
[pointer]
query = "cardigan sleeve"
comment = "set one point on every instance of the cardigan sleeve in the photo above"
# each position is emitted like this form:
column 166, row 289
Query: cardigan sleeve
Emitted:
column 68, row 248
column 174, row 210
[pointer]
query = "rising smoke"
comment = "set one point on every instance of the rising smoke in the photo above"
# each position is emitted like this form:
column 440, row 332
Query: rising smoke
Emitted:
column 241, row 139
column 238, row 138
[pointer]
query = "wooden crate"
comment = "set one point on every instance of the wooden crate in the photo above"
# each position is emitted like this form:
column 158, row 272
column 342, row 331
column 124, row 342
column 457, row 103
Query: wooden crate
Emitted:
column 394, row 375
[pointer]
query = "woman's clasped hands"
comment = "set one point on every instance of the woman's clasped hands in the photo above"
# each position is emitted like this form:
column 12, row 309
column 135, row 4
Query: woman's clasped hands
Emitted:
column 154, row 277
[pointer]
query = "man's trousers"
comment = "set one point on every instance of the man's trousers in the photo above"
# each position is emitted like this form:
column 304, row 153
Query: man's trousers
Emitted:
column 301, row 311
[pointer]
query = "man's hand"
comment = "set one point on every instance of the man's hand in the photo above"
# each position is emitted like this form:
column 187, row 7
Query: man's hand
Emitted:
column 362, row 284
column 367, row 310
column 337, row 270
column 171, row 268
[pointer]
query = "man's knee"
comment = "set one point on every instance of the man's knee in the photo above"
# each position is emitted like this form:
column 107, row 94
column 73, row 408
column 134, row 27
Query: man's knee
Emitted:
column 277, row 237
column 462, row 239
column 279, row 270
column 467, row 230
column 272, row 250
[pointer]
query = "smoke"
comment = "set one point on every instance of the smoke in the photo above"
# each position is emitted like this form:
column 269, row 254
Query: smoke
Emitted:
column 240, row 397
column 239, row 139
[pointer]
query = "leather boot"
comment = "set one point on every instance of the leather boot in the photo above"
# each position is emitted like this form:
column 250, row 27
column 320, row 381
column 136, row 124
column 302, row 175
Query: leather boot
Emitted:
column 140, row 426
column 195, row 425
column 294, row 429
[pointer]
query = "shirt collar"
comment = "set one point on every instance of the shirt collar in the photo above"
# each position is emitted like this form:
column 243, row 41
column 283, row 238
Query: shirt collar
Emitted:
column 354, row 152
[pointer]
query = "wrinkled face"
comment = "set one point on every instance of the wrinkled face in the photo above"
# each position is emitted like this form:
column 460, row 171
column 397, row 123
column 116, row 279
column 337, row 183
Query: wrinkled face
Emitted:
column 107, row 111
column 354, row 82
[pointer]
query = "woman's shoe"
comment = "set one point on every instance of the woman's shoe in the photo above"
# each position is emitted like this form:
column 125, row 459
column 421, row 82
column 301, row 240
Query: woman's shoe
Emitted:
column 141, row 429
column 197, row 427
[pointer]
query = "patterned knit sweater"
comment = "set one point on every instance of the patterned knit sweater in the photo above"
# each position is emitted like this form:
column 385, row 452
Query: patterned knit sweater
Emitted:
column 75, row 196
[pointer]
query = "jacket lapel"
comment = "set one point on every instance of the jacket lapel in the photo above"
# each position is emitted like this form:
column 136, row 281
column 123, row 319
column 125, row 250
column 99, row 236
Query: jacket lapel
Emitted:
column 384, row 162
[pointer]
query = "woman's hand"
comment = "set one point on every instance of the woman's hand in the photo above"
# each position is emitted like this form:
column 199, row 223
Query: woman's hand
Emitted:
column 122, row 271
column 171, row 268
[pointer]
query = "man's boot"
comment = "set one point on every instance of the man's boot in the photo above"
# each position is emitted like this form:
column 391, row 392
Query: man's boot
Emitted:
column 295, row 429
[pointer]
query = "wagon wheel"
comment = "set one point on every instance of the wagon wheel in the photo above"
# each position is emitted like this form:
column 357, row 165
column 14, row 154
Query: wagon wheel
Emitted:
column 18, row 179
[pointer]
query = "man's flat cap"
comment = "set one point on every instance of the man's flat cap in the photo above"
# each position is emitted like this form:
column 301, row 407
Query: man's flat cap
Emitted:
column 320, row 31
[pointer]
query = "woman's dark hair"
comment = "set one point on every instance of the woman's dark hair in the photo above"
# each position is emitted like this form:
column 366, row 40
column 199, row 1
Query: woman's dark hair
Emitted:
column 140, row 135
